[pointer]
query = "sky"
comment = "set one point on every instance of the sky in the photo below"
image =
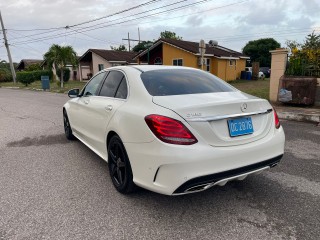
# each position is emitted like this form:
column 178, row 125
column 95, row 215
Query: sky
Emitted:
column 32, row 26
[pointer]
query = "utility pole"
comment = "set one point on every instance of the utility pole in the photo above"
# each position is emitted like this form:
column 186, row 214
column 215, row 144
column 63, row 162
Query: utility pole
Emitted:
column 8, row 50
column 129, row 40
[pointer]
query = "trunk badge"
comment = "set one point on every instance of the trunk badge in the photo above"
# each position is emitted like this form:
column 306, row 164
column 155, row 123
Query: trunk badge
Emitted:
column 243, row 107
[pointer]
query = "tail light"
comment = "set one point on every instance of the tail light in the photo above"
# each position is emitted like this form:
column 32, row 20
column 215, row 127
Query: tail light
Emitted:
column 276, row 119
column 170, row 130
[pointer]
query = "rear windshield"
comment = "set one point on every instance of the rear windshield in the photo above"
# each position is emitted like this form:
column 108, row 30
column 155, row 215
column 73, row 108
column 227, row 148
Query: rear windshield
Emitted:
column 166, row 82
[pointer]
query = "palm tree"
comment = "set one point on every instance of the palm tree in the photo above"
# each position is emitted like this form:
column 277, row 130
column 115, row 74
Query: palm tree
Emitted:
column 59, row 57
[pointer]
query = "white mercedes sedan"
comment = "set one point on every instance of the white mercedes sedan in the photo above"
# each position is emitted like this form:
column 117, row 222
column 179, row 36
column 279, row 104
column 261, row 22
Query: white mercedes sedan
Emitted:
column 173, row 130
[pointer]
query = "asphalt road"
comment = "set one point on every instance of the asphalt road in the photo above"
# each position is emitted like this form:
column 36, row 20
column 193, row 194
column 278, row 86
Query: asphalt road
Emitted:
column 51, row 188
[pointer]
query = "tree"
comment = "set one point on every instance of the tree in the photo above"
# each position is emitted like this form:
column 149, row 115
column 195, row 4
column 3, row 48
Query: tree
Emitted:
column 304, row 58
column 258, row 50
column 120, row 48
column 60, row 56
column 312, row 42
column 143, row 45
column 169, row 34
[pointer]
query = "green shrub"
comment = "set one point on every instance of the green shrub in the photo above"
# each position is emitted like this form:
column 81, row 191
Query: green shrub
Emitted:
column 5, row 75
column 29, row 77
column 66, row 74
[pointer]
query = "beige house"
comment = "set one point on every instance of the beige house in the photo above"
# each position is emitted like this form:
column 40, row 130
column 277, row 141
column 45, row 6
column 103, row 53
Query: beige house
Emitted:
column 94, row 60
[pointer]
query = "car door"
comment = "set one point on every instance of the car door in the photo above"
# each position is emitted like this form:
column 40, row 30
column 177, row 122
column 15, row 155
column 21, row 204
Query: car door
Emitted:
column 101, row 108
column 80, row 111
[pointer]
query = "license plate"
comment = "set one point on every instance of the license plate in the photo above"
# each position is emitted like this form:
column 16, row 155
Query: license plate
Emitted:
column 240, row 126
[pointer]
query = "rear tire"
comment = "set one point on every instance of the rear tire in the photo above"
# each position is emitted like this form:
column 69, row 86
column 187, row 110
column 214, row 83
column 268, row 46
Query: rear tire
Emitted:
column 119, row 166
column 67, row 127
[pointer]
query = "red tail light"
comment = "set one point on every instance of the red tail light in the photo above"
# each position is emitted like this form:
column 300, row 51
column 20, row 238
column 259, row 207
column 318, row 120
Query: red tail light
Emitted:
column 170, row 130
column 276, row 119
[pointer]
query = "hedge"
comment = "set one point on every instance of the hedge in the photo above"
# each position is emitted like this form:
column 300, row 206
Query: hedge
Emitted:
column 29, row 77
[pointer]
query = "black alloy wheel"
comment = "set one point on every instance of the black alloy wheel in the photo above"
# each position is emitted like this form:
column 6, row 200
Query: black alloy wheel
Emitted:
column 67, row 127
column 119, row 166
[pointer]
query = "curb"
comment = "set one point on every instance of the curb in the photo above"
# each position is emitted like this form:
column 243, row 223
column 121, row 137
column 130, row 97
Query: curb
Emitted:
column 315, row 118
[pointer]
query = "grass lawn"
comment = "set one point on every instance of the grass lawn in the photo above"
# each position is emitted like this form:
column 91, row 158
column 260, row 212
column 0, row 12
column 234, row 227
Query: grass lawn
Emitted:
column 259, row 88
column 54, row 86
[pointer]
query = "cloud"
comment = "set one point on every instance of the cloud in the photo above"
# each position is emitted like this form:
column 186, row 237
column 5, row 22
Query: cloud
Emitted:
column 194, row 21
column 231, row 26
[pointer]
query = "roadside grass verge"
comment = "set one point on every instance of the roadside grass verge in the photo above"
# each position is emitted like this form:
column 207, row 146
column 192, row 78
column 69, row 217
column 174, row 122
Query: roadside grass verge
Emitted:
column 54, row 86
column 259, row 88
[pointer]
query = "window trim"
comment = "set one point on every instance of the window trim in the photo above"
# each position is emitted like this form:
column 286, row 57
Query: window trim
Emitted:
column 208, row 68
column 234, row 61
column 177, row 59
column 100, row 64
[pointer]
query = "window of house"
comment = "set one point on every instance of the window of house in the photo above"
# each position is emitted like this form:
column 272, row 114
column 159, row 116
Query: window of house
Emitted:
column 158, row 61
column 100, row 67
column 208, row 64
column 232, row 62
column 177, row 62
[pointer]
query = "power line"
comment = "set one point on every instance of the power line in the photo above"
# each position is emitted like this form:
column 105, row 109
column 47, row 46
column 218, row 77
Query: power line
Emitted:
column 117, row 13
column 88, row 27
column 109, row 25
column 89, row 21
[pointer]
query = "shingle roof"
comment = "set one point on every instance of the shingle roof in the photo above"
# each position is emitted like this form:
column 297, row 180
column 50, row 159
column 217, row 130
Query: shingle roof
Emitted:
column 27, row 62
column 193, row 47
column 111, row 55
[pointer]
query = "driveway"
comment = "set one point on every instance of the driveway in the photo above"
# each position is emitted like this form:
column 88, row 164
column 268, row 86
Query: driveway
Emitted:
column 51, row 188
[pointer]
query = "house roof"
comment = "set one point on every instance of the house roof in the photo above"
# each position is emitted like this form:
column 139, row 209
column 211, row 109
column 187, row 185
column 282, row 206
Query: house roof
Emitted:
column 193, row 47
column 111, row 55
column 27, row 62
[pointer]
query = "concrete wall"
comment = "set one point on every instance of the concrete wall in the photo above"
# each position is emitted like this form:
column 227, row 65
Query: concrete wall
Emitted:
column 225, row 71
column 96, row 60
column 278, row 67
column 170, row 53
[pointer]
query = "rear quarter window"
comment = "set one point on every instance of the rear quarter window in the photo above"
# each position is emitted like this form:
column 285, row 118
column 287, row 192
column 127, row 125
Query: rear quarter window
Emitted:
column 167, row 82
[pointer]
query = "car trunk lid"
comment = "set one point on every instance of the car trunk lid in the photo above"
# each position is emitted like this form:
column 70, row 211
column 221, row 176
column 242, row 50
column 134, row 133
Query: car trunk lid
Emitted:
column 208, row 115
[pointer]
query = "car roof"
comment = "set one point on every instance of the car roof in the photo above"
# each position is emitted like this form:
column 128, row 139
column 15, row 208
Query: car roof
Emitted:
column 146, row 68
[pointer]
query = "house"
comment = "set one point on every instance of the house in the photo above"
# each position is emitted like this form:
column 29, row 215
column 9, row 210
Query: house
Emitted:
column 24, row 63
column 74, row 70
column 94, row 60
column 220, row 61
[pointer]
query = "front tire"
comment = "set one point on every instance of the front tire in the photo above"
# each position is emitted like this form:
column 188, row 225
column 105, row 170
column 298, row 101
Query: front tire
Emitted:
column 67, row 127
column 119, row 166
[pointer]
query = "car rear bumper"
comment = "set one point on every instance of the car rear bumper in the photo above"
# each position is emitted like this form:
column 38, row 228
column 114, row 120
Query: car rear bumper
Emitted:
column 174, row 169
column 221, row 178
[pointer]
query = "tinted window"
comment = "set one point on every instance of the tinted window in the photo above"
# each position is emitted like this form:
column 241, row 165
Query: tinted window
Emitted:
column 111, row 84
column 182, row 81
column 92, row 86
column 122, row 90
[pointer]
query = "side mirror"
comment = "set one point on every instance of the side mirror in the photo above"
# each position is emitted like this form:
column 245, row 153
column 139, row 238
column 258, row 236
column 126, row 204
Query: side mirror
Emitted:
column 73, row 93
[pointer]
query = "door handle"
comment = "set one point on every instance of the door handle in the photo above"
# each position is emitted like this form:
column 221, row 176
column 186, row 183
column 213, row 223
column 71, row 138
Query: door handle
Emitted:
column 109, row 108
column 86, row 101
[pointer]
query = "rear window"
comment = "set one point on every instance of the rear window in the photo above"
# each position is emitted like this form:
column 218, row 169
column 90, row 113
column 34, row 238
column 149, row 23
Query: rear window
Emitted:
column 166, row 82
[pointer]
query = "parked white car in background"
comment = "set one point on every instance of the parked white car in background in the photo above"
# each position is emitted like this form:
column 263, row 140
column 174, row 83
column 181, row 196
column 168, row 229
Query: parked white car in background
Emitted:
column 173, row 130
